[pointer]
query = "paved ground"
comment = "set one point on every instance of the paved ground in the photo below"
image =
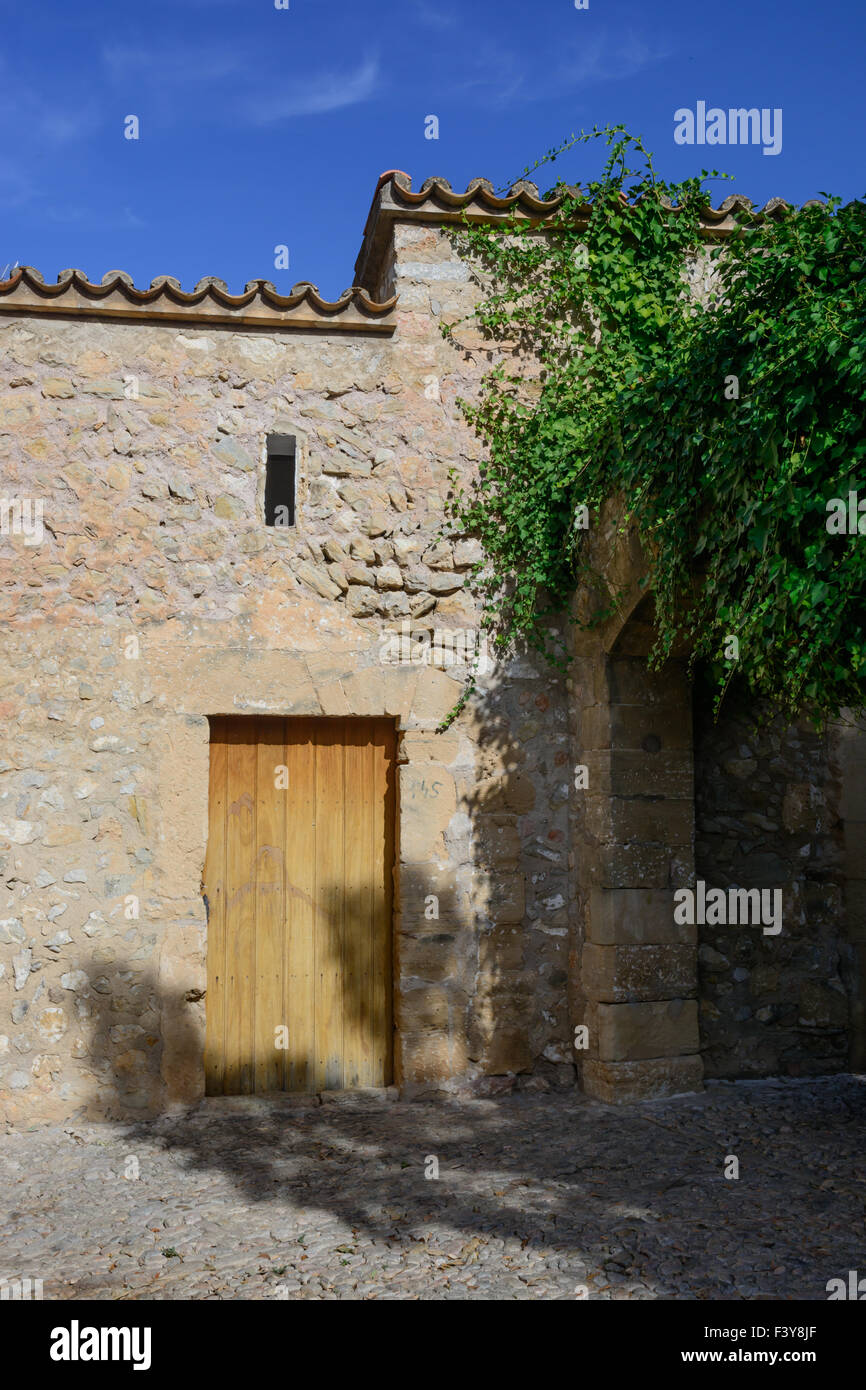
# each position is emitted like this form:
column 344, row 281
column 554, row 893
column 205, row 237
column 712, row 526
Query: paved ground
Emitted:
column 537, row 1197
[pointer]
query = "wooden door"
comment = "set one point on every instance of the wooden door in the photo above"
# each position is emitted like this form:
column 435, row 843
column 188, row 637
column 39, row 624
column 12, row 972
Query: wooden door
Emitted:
column 298, row 888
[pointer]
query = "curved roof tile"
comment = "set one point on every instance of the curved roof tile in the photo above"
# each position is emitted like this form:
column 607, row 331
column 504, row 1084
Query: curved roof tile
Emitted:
column 436, row 201
column 260, row 305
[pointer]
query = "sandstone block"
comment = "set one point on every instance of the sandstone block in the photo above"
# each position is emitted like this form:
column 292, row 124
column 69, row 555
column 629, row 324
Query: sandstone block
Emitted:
column 621, row 1083
column 616, row 974
column 362, row 602
column 365, row 691
column 333, row 550
column 425, row 1057
column 635, row 819
column 359, row 574
column 436, row 695
column 635, row 916
column 226, row 507
column 316, row 580
column 635, row 1032
column 428, row 800
column 339, row 465
column 389, row 577
column 631, row 866
column 56, row 388
column 498, row 844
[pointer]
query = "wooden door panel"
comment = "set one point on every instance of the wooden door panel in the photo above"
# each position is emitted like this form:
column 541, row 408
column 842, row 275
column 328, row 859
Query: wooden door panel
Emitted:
column 298, row 882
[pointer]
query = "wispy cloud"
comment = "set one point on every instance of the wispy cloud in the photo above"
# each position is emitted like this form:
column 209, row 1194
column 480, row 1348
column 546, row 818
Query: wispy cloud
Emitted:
column 608, row 57
column 39, row 121
column 76, row 213
column 495, row 78
column 41, row 125
column 499, row 77
column 435, row 16
column 329, row 91
column 256, row 97
column 179, row 64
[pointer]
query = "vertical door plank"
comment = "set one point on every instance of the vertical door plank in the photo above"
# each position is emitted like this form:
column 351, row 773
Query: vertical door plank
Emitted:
column 329, row 902
column 382, row 860
column 300, row 843
column 214, row 887
column 358, row 812
column 240, row 906
column 269, row 1001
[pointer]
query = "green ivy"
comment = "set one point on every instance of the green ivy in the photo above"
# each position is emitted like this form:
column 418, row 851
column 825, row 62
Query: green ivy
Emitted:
column 724, row 423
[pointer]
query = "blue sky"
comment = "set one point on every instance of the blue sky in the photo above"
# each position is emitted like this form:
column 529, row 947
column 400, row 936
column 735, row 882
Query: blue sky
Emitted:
column 262, row 127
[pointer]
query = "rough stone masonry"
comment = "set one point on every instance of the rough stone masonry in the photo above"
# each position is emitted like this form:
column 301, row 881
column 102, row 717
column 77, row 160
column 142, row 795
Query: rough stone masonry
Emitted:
column 157, row 598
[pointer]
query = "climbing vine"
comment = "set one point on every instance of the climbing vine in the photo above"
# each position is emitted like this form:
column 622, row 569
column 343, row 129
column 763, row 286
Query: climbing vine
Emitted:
column 713, row 394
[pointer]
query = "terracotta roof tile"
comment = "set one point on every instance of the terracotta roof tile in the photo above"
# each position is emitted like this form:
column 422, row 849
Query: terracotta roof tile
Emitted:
column 260, row 305
column 436, row 201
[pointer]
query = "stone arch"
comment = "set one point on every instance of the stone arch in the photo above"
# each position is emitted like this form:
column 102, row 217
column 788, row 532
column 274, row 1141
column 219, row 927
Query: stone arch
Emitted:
column 634, row 970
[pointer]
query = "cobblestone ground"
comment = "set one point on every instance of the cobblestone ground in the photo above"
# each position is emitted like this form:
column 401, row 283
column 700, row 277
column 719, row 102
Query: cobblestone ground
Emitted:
column 536, row 1197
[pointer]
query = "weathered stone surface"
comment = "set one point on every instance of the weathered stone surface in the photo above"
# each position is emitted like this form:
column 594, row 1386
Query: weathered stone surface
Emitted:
column 633, row 1032
column 158, row 598
column 636, row 916
column 621, row 1083
column 618, row 974
column 389, row 577
column 317, row 580
column 763, row 820
column 428, row 800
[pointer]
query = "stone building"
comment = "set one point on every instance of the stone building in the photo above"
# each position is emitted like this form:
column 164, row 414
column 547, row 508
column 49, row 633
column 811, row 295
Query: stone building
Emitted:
column 236, row 853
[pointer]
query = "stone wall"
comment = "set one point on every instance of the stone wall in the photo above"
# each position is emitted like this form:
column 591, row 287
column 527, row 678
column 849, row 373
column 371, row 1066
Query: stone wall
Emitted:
column 848, row 753
column 767, row 806
column 158, row 598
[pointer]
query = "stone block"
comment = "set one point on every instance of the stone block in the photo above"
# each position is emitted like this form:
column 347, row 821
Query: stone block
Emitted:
column 634, row 1032
column 435, row 696
column 639, row 819
column 399, row 691
column 855, row 908
column 428, row 800
column 507, row 1050
column 500, row 898
column 425, row 1057
column 365, row 691
column 667, row 773
column 618, row 974
column 855, row 845
column 622, row 1083
column 333, row 700
column 428, row 957
column 628, row 681
column 650, row 728
column 631, row 866
column 635, row 916
column 317, row 580
column 429, row 1008
column 429, row 887
column 432, row 747
column 593, row 728
column 498, row 843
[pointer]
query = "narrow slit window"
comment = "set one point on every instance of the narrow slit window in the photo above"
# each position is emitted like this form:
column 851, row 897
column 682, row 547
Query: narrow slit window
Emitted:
column 280, row 482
